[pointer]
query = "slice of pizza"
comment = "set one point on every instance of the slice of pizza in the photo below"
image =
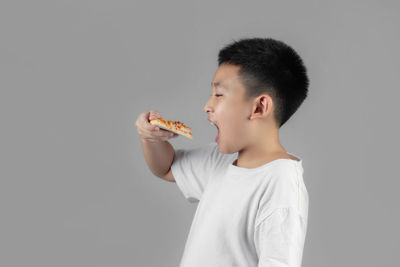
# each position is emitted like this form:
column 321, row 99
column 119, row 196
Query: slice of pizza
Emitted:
column 173, row 126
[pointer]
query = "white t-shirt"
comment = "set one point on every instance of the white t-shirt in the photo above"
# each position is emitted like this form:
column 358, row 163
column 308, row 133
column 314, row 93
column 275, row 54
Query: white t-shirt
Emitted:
column 245, row 217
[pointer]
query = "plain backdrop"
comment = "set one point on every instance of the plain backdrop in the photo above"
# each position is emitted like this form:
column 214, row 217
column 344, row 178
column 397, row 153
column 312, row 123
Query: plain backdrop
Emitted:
column 75, row 189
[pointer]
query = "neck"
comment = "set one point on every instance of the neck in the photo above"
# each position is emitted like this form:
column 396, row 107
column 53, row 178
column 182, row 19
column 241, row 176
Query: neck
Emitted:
column 261, row 150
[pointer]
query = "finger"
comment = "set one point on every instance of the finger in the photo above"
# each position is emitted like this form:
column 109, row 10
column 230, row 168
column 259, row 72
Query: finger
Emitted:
column 157, row 133
column 147, row 125
column 154, row 113
column 154, row 116
column 153, row 127
column 174, row 135
column 163, row 133
column 163, row 137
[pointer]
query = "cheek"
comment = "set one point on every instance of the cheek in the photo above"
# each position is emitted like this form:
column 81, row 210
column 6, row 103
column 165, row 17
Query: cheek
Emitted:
column 232, row 118
column 233, row 125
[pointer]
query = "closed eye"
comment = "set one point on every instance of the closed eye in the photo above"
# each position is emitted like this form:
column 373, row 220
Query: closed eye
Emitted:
column 218, row 95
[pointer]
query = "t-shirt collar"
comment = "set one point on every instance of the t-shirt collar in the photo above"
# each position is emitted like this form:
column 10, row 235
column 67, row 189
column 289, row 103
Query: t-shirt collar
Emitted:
column 240, row 170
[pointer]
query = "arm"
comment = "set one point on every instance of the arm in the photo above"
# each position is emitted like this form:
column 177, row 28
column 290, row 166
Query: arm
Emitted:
column 159, row 157
column 158, row 152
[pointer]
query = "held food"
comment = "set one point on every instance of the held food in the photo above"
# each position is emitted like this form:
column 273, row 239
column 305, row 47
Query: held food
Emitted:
column 173, row 126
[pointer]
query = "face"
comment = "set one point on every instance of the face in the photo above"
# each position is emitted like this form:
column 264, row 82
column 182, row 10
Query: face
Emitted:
column 226, row 107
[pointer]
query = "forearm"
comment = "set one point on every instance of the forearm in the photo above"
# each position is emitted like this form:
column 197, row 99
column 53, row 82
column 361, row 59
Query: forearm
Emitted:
column 159, row 156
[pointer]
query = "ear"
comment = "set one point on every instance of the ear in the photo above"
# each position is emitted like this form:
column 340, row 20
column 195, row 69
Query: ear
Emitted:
column 262, row 107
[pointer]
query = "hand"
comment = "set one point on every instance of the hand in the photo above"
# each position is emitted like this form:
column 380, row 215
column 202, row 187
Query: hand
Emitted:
column 149, row 132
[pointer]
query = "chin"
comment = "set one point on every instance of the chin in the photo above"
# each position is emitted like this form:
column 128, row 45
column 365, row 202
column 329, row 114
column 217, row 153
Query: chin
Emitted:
column 220, row 148
column 225, row 150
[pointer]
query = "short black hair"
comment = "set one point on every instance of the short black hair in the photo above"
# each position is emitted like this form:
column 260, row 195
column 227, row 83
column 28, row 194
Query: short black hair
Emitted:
column 272, row 67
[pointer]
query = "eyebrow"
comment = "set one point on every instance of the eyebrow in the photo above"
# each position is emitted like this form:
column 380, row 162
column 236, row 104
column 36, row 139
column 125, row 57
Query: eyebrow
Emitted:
column 216, row 84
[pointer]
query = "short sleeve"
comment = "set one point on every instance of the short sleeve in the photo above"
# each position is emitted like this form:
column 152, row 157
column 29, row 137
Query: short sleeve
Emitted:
column 279, row 238
column 192, row 169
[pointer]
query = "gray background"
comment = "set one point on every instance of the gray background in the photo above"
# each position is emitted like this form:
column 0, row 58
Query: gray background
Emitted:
column 74, row 75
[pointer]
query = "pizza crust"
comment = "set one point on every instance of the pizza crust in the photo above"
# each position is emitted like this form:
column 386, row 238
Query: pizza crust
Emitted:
column 186, row 133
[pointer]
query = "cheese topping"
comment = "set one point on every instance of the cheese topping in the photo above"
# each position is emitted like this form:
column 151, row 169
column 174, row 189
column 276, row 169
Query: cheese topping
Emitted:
column 175, row 125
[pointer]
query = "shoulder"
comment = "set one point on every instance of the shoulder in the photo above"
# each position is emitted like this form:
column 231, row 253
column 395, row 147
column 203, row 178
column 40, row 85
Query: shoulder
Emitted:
column 284, row 187
column 285, row 173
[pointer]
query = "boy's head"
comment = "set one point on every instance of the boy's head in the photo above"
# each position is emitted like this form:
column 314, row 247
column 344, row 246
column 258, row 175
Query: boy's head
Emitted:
column 260, row 81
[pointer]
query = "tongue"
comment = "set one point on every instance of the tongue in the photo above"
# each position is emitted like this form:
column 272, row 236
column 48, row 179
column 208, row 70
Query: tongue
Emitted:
column 217, row 137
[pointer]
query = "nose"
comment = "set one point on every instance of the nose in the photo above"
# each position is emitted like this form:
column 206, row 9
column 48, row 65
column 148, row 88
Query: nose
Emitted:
column 207, row 107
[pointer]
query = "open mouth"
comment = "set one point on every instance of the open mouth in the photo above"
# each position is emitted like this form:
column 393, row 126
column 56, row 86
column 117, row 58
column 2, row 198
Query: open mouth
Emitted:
column 217, row 137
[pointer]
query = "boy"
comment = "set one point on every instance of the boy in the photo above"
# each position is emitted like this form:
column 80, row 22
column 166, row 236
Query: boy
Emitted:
column 253, row 202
